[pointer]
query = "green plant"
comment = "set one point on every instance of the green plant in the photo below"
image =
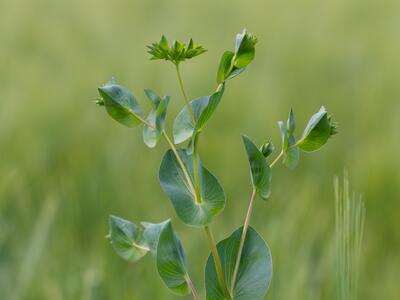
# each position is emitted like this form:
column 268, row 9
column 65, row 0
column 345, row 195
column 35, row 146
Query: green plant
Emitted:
column 239, row 267
column 350, row 220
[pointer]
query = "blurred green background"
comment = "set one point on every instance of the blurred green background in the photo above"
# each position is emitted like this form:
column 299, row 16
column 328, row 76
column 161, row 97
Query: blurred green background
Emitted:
column 65, row 165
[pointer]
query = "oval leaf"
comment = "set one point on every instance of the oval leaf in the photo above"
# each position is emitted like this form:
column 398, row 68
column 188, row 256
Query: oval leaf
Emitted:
column 291, row 155
column 151, row 135
column 225, row 66
column 152, row 234
column 175, row 185
column 171, row 261
column 260, row 171
column 183, row 125
column 127, row 239
column 255, row 269
column 317, row 131
column 245, row 50
column 120, row 104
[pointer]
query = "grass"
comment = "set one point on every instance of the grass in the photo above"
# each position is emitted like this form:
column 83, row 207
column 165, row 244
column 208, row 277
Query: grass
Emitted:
column 350, row 220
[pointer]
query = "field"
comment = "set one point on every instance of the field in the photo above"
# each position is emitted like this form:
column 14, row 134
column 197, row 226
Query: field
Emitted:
column 65, row 165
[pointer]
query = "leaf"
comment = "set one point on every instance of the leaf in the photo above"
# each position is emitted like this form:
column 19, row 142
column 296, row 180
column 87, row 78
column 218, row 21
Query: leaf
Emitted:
column 291, row 123
column 171, row 261
column 255, row 269
column 203, row 108
column 127, row 239
column 156, row 118
column 208, row 110
column 267, row 148
column 183, row 125
column 245, row 50
column 152, row 234
column 153, row 97
column 260, row 171
column 177, row 188
column 225, row 66
column 291, row 155
column 317, row 132
column 120, row 104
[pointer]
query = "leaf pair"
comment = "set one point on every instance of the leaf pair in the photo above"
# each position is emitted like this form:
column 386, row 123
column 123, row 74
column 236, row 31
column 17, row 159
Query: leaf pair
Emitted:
column 176, row 178
column 234, row 63
column 255, row 268
column 132, row 242
column 123, row 107
column 175, row 53
column 317, row 132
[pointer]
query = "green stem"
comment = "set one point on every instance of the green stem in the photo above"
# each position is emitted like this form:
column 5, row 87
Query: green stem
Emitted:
column 276, row 159
column 196, row 169
column 217, row 261
column 207, row 229
column 246, row 226
column 183, row 167
column 243, row 238
column 192, row 288
column 185, row 97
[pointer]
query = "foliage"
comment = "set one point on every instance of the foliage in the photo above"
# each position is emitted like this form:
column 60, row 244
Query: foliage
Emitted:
column 239, row 267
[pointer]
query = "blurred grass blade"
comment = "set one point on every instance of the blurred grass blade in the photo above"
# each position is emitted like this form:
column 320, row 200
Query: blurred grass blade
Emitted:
column 350, row 219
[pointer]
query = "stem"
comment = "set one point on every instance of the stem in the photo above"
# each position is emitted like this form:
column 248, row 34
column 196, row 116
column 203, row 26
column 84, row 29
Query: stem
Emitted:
column 185, row 97
column 196, row 169
column 276, row 159
column 217, row 260
column 243, row 238
column 192, row 288
column 183, row 167
column 246, row 226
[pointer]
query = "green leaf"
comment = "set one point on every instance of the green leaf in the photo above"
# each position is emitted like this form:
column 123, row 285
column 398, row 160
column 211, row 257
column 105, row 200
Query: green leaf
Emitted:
column 317, row 132
column 171, row 261
column 260, row 171
column 203, row 108
column 291, row 154
column 225, row 66
column 156, row 118
column 183, row 125
column 208, row 110
column 245, row 50
column 177, row 188
column 291, row 123
column 255, row 269
column 267, row 148
column 153, row 97
column 127, row 239
column 151, row 235
column 120, row 104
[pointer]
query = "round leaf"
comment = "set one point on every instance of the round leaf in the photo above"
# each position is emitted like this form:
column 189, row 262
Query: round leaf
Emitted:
column 175, row 185
column 317, row 132
column 120, row 104
column 127, row 239
column 255, row 269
